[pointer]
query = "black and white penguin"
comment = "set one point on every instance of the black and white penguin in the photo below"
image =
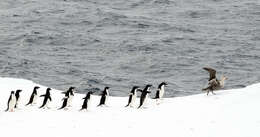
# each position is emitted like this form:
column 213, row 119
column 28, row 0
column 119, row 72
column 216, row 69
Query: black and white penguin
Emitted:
column 17, row 95
column 160, row 91
column 34, row 96
column 47, row 99
column 132, row 97
column 144, row 95
column 11, row 102
column 69, row 94
column 86, row 101
column 104, row 97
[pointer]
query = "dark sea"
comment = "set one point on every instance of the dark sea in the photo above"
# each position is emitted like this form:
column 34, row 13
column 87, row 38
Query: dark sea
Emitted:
column 121, row 43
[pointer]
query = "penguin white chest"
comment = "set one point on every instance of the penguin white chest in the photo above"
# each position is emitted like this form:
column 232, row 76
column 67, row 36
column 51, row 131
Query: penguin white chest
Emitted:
column 88, row 103
column 145, row 99
column 106, row 98
column 35, row 97
column 47, row 103
column 70, row 100
column 161, row 92
column 133, row 100
column 12, row 103
column 18, row 102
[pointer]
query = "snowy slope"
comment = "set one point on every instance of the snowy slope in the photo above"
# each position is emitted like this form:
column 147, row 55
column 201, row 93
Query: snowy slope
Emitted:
column 230, row 113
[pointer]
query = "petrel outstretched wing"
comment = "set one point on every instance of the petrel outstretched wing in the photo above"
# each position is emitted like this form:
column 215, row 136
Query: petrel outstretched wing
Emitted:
column 212, row 73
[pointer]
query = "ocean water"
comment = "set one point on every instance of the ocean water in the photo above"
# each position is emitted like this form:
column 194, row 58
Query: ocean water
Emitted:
column 121, row 43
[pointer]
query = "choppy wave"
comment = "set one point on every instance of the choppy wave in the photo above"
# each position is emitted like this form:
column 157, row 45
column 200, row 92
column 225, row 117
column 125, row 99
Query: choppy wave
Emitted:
column 91, row 44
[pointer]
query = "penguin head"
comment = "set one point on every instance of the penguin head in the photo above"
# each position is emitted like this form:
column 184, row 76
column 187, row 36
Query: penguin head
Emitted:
column 140, row 90
column 105, row 92
column 147, row 87
column 72, row 88
column 162, row 84
column 18, row 91
column 90, row 92
column 12, row 92
column 36, row 87
column 134, row 89
column 48, row 90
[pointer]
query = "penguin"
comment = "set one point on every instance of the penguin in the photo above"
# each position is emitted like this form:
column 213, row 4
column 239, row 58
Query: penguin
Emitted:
column 34, row 96
column 104, row 97
column 86, row 101
column 160, row 91
column 69, row 94
column 47, row 98
column 144, row 95
column 11, row 102
column 17, row 95
column 132, row 97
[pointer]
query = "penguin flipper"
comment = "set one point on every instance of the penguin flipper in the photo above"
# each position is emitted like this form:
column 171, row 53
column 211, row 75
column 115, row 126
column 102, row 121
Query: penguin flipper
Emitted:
column 7, row 108
column 61, row 107
column 141, row 101
column 8, row 103
column 129, row 100
column 139, row 106
column 28, row 103
column 102, row 101
column 157, row 94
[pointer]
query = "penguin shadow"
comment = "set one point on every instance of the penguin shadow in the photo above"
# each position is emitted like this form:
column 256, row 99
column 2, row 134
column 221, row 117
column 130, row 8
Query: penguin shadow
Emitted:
column 84, row 110
column 143, row 107
column 130, row 107
column 103, row 106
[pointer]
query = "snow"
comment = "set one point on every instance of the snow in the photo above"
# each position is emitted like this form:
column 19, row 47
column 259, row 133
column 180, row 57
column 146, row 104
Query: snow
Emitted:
column 230, row 113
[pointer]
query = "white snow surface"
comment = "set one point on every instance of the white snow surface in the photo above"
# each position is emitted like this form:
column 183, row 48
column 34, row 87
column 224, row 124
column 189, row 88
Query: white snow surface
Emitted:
column 230, row 113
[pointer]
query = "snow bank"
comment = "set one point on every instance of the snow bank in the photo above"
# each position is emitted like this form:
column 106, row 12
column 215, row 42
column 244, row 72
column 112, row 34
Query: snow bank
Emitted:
column 230, row 113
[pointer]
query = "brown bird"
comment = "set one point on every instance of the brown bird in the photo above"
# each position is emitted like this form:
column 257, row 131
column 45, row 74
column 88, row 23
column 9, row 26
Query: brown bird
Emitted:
column 214, row 83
